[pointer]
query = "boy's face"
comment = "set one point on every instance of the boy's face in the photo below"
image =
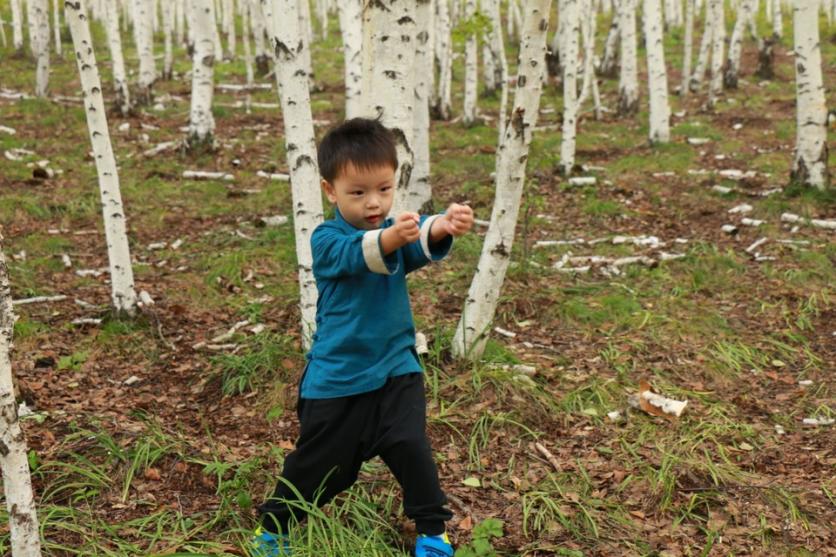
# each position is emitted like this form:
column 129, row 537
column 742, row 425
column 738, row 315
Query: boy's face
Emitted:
column 363, row 196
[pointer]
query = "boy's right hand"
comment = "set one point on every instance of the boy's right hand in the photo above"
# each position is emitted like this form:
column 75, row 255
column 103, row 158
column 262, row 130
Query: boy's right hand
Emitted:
column 406, row 227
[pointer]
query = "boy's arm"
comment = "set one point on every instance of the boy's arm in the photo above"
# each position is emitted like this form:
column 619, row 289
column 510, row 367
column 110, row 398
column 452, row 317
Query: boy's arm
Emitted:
column 337, row 254
column 435, row 237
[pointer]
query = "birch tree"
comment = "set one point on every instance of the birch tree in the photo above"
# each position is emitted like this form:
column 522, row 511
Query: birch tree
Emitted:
column 389, row 79
column 288, row 40
column 262, row 57
column 628, row 77
column 351, row 28
column 696, row 78
column 512, row 154
column 14, row 463
column 569, row 48
column 777, row 19
column 689, row 39
column 17, row 25
column 657, row 76
column 56, row 27
column 39, row 39
column 609, row 62
column 419, row 191
column 444, row 56
column 168, row 32
column 121, row 274
column 201, row 121
column 144, row 40
column 745, row 15
column 718, row 38
column 114, row 41
column 471, row 67
column 810, row 164
column 497, row 75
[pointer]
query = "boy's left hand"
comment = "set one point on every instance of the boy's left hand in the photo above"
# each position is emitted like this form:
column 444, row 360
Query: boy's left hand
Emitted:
column 458, row 219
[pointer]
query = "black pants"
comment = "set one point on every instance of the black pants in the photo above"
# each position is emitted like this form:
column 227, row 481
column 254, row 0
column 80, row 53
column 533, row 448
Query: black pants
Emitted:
column 338, row 434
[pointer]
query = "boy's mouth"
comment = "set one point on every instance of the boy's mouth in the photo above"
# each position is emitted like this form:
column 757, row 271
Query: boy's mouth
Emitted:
column 373, row 219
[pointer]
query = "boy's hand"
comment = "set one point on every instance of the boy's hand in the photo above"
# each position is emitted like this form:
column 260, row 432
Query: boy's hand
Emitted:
column 406, row 227
column 458, row 219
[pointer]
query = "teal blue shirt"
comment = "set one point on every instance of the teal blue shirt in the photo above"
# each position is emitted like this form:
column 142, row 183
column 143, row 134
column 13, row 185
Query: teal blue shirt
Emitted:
column 365, row 333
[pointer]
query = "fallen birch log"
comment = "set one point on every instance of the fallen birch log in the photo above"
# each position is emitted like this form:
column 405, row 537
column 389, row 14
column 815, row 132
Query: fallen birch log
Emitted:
column 39, row 300
column 829, row 224
column 205, row 175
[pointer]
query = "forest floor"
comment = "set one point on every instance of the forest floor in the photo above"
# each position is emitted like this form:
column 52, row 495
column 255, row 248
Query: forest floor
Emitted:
column 144, row 442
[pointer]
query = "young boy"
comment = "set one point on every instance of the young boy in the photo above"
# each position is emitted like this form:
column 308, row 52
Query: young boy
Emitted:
column 362, row 392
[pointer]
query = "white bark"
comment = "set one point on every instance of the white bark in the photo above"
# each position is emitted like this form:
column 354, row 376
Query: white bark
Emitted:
column 168, row 30
column 777, row 19
column 246, row 19
column 702, row 58
column 38, row 14
column 419, row 191
column 388, row 67
column 689, row 40
column 262, row 57
column 17, row 25
column 609, row 62
column 810, row 164
column 471, row 68
column 351, row 28
column 496, row 46
column 570, row 22
column 144, row 40
column 718, row 38
column 482, row 298
column 56, row 26
column 179, row 22
column 288, row 40
column 114, row 41
column 628, row 78
column 201, row 121
column 732, row 69
column 590, row 83
column 657, row 77
column 304, row 11
column 17, row 483
column 229, row 28
column 444, row 53
column 121, row 273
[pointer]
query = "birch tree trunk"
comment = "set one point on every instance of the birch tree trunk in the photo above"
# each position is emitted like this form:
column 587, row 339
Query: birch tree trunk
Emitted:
column 229, row 29
column 144, row 40
column 38, row 14
column 262, row 57
column 609, row 63
column 246, row 20
column 628, row 78
column 657, row 77
column 201, row 121
column 444, row 52
column 389, row 29
column 512, row 154
column 777, row 19
column 471, row 68
column 419, row 191
column 810, row 164
column 732, row 69
column 17, row 483
column 718, row 36
column 496, row 48
column 288, row 40
column 689, row 40
column 17, row 25
column 304, row 11
column 114, row 41
column 119, row 256
column 168, row 30
column 702, row 58
column 351, row 28
column 570, row 21
column 56, row 27
column 179, row 22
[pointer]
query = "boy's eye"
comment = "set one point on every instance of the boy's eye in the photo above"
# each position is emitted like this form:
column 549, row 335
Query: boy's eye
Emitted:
column 356, row 193
column 386, row 188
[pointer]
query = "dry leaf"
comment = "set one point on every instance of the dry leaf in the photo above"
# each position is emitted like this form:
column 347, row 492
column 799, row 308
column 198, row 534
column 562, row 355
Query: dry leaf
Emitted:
column 153, row 474
column 466, row 523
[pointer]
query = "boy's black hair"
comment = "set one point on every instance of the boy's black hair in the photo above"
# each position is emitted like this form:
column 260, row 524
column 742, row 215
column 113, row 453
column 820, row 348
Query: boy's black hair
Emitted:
column 363, row 142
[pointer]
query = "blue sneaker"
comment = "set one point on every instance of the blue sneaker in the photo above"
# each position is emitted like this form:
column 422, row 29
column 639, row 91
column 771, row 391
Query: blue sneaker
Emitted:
column 267, row 544
column 433, row 546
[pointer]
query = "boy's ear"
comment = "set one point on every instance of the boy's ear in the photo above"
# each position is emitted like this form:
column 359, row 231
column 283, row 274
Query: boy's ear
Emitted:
column 329, row 190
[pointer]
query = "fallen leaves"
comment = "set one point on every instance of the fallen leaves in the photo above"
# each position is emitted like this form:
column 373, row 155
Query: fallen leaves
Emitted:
column 658, row 405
